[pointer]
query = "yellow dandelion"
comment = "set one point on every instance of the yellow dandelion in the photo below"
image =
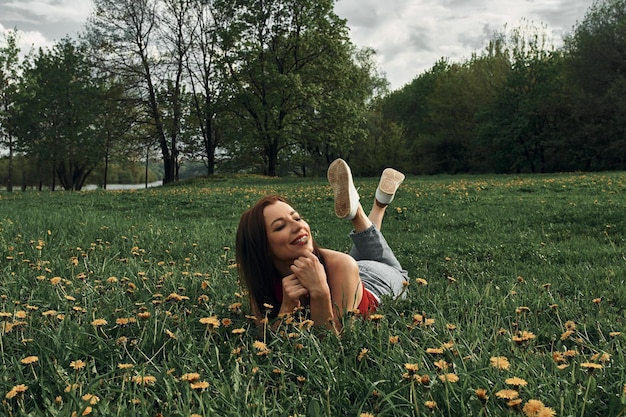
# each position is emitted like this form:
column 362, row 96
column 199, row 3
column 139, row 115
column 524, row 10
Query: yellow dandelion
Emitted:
column 49, row 313
column 240, row 330
column 514, row 403
column 91, row 399
column 570, row 325
column 200, row 385
column 449, row 377
column 522, row 309
column 615, row 334
column 430, row 404
column 170, row 334
column 481, row 393
column 191, row 377
column 451, row 326
column 125, row 365
column 566, row 334
column 546, row 412
column 421, row 281
column 144, row 379
column 523, row 336
column 55, row 280
column 411, row 367
column 375, row 317
column 597, row 300
column 531, row 407
column 563, row 366
column 195, row 415
column 211, row 322
column 601, row 357
column 441, row 364
column 144, row 315
column 99, row 322
column 516, row 382
column 20, row 314
column 18, row 389
column 258, row 345
column 590, row 365
column 29, row 360
column 499, row 362
column 507, row 394
column 435, row 351
column 362, row 354
column 366, row 415
column 79, row 364
column 394, row 340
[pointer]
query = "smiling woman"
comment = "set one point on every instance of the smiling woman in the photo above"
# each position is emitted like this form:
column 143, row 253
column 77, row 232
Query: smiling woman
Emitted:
column 284, row 270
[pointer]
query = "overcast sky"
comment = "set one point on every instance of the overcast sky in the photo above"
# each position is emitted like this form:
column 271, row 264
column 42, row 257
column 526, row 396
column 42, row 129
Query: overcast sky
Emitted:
column 409, row 36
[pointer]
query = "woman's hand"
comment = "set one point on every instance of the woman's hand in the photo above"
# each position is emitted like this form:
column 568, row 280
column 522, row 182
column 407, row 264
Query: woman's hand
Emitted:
column 293, row 290
column 310, row 272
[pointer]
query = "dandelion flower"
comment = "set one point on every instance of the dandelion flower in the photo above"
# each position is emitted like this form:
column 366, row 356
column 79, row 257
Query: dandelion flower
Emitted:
column 514, row 403
column 532, row 407
column 434, row 351
column 125, row 365
column 481, row 393
column 523, row 336
column 144, row 315
column 200, row 385
column 441, row 364
column 421, row 281
column 449, row 377
column 211, row 322
column 99, row 322
column 499, row 362
column 507, row 394
column 55, row 280
column 590, row 365
column 411, row 367
column 240, row 330
column 546, row 412
column 366, row 415
column 615, row 334
column 144, row 380
column 362, row 354
column 91, row 399
column 18, row 389
column 29, row 360
column 601, row 357
column 566, row 334
column 79, row 364
column 570, row 325
column 430, row 404
column 393, row 340
column 191, row 377
column 516, row 382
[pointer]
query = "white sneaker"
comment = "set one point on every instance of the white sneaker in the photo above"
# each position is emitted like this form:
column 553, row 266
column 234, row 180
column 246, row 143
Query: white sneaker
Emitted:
column 390, row 180
column 346, row 196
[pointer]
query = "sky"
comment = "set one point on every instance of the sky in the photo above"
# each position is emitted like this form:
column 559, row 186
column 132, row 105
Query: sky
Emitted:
column 409, row 36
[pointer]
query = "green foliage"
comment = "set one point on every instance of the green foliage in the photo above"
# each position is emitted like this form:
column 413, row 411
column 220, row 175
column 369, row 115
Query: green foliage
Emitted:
column 497, row 257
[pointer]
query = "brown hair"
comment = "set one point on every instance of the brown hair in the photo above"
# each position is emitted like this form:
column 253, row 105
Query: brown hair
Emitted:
column 254, row 262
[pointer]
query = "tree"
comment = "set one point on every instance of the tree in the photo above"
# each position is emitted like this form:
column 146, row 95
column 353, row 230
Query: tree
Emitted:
column 57, row 117
column 145, row 41
column 9, row 62
column 596, row 65
column 295, row 85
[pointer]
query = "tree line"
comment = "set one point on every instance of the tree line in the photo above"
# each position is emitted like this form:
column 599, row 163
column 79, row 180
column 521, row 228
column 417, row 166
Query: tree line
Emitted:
column 276, row 87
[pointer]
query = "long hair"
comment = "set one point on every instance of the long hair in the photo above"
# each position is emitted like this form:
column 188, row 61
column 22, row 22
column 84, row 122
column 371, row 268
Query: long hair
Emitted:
column 254, row 262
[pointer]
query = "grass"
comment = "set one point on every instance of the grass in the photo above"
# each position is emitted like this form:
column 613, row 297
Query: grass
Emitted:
column 127, row 303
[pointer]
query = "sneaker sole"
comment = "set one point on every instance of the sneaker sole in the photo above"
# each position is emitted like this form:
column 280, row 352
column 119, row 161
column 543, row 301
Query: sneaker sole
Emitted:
column 339, row 177
column 390, row 181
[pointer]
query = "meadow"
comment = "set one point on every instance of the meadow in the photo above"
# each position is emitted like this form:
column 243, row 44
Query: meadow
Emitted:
column 119, row 303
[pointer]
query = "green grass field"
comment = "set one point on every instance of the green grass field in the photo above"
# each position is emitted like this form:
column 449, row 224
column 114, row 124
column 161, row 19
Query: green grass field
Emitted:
column 125, row 303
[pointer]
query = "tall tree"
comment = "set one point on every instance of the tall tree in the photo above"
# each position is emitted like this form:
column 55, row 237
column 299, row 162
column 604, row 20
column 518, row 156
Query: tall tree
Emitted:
column 9, row 62
column 58, row 114
column 596, row 62
column 144, row 40
column 294, row 80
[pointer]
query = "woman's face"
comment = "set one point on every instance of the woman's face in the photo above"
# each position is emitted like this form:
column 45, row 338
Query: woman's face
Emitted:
column 289, row 236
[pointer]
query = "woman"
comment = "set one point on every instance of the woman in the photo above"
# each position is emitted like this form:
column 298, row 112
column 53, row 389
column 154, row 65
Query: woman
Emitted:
column 283, row 268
